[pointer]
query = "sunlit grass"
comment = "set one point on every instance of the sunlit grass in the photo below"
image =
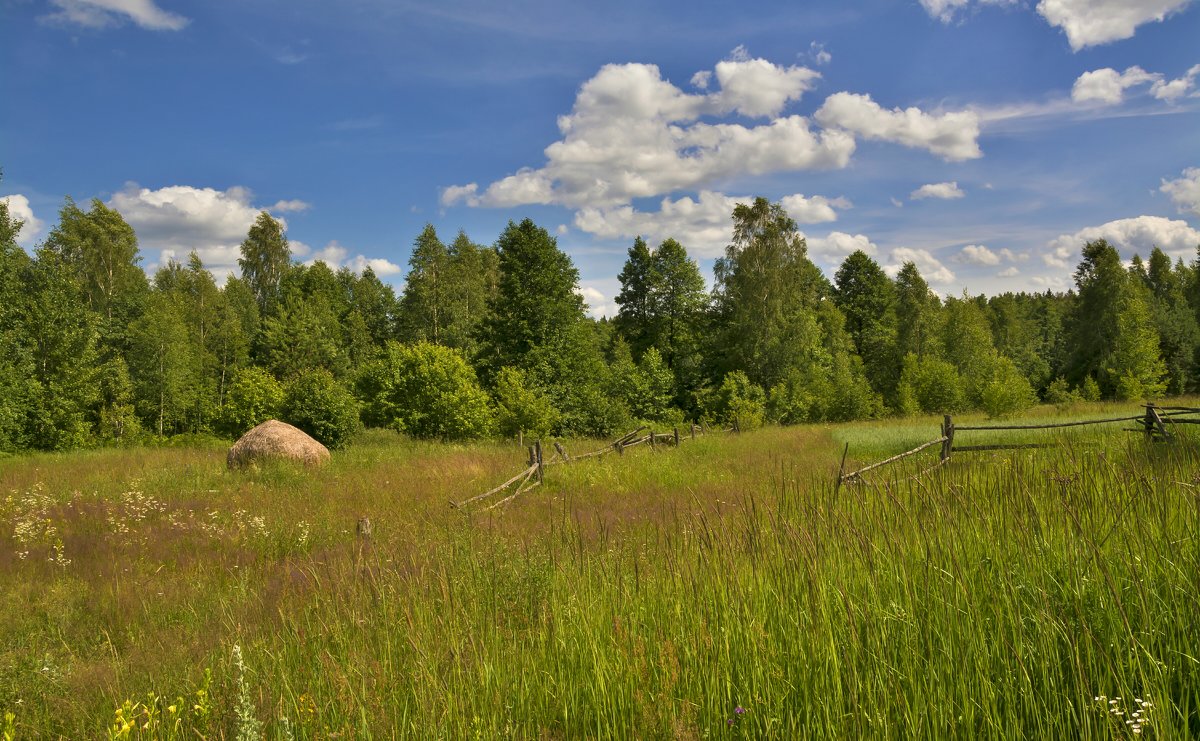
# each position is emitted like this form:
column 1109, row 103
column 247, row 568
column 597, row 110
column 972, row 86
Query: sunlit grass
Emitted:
column 649, row 595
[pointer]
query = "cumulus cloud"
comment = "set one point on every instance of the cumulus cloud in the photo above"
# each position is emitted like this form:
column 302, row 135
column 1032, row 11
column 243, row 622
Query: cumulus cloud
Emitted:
column 596, row 295
column 1010, row 272
column 1171, row 90
column 818, row 54
column 945, row 10
column 100, row 14
column 1107, row 85
column 1139, row 234
column 1093, row 22
column 931, row 268
column 947, row 191
column 335, row 256
column 286, row 206
column 1185, row 191
column 836, row 246
column 19, row 209
column 953, row 135
column 978, row 254
column 703, row 225
column 632, row 134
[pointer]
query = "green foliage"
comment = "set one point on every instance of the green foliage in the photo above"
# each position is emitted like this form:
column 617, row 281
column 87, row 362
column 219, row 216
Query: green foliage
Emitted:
column 917, row 317
column 162, row 362
column 930, row 385
column 1135, row 368
column 424, row 390
column 265, row 258
column 1089, row 390
column 521, row 407
column 117, row 422
column 254, row 397
column 316, row 403
column 1006, row 391
column 738, row 401
column 646, row 387
column 1060, row 394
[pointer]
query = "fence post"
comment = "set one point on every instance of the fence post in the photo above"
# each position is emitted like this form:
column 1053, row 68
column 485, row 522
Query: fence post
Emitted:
column 620, row 448
column 1148, row 423
column 653, row 446
column 948, row 433
column 520, row 438
column 693, row 425
column 537, row 447
column 677, row 437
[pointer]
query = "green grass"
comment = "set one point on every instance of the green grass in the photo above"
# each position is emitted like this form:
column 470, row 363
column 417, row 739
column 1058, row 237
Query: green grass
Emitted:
column 644, row 596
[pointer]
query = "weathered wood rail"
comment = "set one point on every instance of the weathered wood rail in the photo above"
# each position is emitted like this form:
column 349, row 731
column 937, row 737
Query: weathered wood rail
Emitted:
column 1154, row 422
column 534, row 473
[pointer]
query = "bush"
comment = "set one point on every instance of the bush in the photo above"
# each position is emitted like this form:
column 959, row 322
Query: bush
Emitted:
column 933, row 385
column 254, row 396
column 1089, row 390
column 1059, row 393
column 424, row 390
column 738, row 402
column 1007, row 391
column 317, row 404
column 522, row 407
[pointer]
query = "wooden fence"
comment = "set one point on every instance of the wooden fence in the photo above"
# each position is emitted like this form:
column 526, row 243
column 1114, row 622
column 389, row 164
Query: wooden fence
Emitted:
column 533, row 475
column 1154, row 423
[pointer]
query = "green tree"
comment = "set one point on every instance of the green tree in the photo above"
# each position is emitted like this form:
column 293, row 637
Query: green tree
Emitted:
column 1101, row 282
column 17, row 385
column 867, row 298
column 424, row 390
column 254, row 397
column 916, row 314
column 316, row 403
column 738, row 401
column 162, row 363
column 102, row 250
column 425, row 305
column 1179, row 334
column 474, row 273
column 767, row 291
column 265, row 258
column 1134, row 368
column 522, row 407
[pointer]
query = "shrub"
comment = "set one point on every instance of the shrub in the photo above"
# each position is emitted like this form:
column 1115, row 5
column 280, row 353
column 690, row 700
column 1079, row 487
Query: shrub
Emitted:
column 1007, row 391
column 424, row 390
column 738, row 402
column 522, row 407
column 317, row 404
column 254, row 396
column 1060, row 394
column 934, row 384
column 1089, row 390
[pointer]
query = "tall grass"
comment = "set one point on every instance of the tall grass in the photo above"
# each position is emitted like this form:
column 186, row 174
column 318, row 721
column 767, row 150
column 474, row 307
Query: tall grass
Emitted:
column 724, row 589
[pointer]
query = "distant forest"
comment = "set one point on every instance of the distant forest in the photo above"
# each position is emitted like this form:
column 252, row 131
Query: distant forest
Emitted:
column 495, row 340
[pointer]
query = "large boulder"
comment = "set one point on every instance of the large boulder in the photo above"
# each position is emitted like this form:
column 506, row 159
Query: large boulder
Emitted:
column 277, row 440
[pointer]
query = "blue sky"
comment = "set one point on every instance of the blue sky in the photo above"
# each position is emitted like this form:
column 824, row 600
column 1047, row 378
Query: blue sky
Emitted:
column 983, row 139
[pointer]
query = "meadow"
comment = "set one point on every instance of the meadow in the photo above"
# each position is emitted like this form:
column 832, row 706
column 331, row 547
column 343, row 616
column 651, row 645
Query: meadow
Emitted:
column 725, row 589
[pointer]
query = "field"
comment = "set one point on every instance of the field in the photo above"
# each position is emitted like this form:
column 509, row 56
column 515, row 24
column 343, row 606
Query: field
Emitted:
column 724, row 589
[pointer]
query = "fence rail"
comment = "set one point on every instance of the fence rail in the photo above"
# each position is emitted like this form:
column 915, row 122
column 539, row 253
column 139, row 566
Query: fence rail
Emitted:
column 534, row 473
column 1154, row 423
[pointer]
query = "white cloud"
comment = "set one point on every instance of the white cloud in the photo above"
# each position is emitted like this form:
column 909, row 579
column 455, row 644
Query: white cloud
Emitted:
column 1094, row 22
column 932, row 269
column 1185, row 191
column 1171, row 90
column 977, row 254
column 818, row 54
column 701, row 79
column 1138, row 234
column 1010, row 272
column 945, row 10
column 111, row 13
column 1107, row 85
column 897, row 202
column 836, row 246
column 632, row 134
column 953, row 135
column 702, row 225
column 18, row 208
column 598, row 303
column 758, row 88
column 334, row 255
column 286, row 206
column 455, row 193
column 562, row 229
column 178, row 219
column 947, row 191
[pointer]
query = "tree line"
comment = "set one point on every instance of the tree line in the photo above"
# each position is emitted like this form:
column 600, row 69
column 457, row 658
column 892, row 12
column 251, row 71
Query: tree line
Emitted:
column 495, row 340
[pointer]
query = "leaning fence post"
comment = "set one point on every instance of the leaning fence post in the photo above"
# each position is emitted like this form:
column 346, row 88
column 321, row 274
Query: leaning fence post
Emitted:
column 677, row 437
column 693, row 426
column 948, row 433
column 1148, row 423
column 537, row 449
column 841, row 470
column 652, row 445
